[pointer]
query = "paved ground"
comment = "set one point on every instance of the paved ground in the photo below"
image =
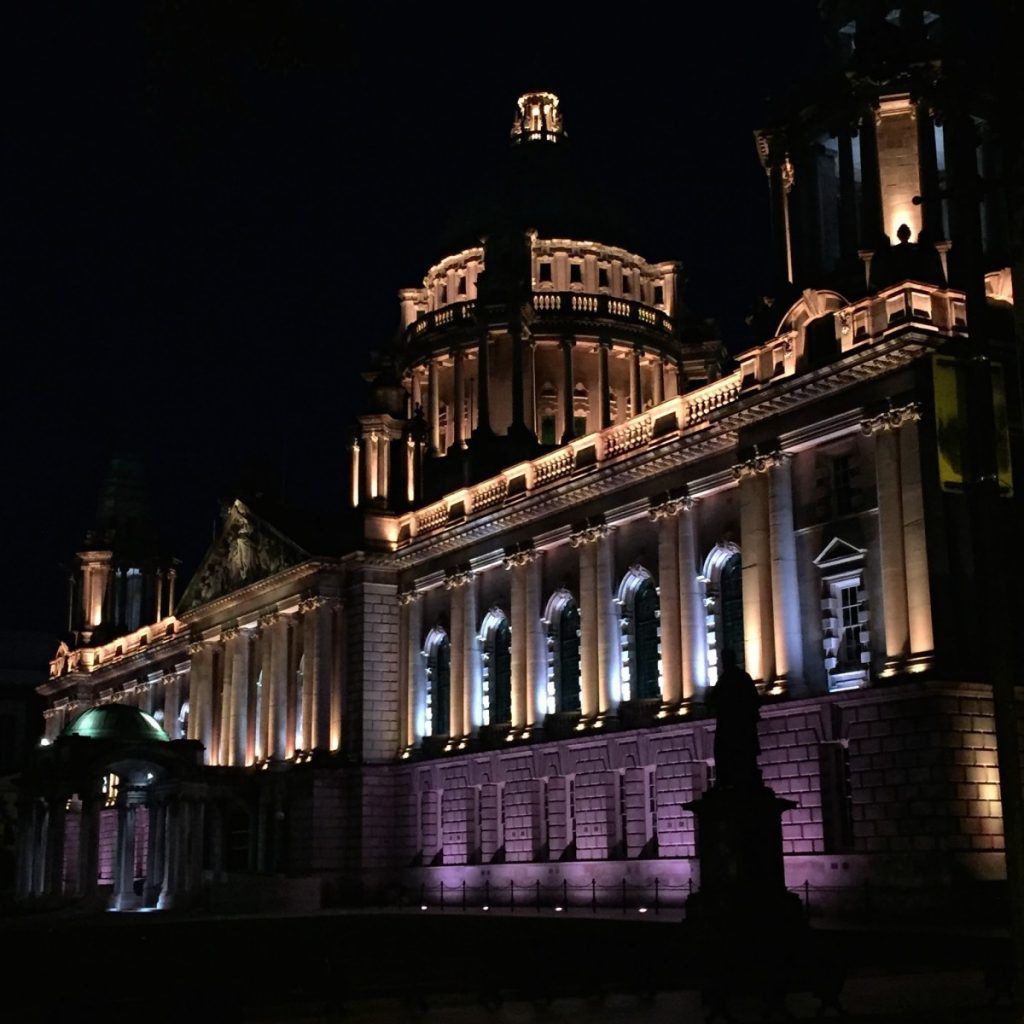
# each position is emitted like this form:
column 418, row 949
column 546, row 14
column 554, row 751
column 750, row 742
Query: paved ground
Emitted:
column 462, row 969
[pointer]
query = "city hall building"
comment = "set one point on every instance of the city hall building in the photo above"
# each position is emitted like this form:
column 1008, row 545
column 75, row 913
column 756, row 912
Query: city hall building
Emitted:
column 566, row 503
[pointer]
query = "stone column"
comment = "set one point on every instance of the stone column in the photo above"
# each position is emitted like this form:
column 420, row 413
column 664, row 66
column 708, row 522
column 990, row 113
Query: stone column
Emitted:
column 415, row 679
column 890, row 540
column 658, row 381
column 568, row 431
column 27, row 849
column 789, row 660
column 666, row 516
column 434, row 410
column 354, row 474
column 518, row 424
column 483, row 403
column 518, row 564
column 372, row 478
column 603, row 390
column 316, row 693
column 172, row 705
column 536, row 646
column 88, row 845
column 609, row 635
column 223, row 731
column 758, row 627
column 53, row 846
column 383, row 466
column 169, row 890
column 530, row 352
column 158, row 596
column 199, row 695
column 156, row 852
column 931, row 203
column 915, row 549
column 457, row 670
column 847, row 197
column 124, row 880
column 636, row 401
column 694, row 635
column 238, row 705
column 780, row 176
column 473, row 714
column 872, row 230
column 459, row 398
column 593, row 631
column 172, row 579
column 275, row 684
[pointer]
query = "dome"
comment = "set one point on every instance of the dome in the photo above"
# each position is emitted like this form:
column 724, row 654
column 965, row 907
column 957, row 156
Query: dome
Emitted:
column 117, row 722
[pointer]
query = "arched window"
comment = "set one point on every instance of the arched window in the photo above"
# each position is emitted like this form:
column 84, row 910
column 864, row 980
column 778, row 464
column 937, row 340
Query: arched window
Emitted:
column 496, row 639
column 641, row 652
column 547, row 411
column 563, row 620
column 723, row 579
column 438, row 652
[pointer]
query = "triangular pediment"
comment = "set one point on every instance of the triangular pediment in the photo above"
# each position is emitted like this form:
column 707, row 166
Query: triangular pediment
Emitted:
column 248, row 549
column 839, row 552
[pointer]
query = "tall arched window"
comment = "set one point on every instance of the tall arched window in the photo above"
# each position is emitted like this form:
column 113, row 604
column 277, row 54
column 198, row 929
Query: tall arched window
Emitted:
column 563, row 619
column 438, row 652
column 641, row 652
column 723, row 579
column 496, row 639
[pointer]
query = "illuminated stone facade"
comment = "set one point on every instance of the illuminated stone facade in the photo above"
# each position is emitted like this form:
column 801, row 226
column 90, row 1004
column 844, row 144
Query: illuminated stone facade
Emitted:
column 570, row 510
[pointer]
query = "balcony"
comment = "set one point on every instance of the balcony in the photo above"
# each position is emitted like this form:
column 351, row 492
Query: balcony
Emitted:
column 577, row 308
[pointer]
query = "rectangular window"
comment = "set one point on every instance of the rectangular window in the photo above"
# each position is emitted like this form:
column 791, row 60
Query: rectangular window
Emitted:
column 544, row 272
column 462, row 285
column 659, row 295
column 602, row 277
column 443, row 296
column 842, row 485
column 627, row 284
column 575, row 273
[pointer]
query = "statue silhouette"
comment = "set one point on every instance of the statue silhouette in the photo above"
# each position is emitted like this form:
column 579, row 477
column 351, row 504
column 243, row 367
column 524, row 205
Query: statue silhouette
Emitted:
column 735, row 702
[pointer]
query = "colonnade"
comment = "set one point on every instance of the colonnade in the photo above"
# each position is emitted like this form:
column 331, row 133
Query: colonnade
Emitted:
column 269, row 690
column 682, row 624
column 160, row 827
column 909, row 638
column 444, row 378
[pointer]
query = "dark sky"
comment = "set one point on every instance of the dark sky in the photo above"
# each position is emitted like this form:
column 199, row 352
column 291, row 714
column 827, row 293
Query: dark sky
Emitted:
column 210, row 207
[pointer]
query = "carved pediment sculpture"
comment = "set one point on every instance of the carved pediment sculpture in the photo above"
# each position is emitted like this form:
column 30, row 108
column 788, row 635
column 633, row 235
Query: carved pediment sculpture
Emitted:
column 248, row 549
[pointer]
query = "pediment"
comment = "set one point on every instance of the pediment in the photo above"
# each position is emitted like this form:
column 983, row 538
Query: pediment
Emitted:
column 839, row 552
column 248, row 549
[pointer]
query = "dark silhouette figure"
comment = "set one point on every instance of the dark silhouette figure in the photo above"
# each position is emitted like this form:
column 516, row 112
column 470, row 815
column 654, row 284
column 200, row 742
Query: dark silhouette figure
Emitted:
column 736, row 744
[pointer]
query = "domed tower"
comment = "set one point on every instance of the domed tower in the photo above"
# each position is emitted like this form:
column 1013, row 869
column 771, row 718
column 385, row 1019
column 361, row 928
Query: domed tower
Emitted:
column 528, row 339
column 122, row 581
column 890, row 167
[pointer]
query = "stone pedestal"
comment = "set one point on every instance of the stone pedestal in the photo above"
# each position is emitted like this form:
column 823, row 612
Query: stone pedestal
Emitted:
column 747, row 931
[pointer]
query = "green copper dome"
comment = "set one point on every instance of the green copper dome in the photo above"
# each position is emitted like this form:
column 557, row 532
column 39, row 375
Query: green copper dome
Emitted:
column 117, row 722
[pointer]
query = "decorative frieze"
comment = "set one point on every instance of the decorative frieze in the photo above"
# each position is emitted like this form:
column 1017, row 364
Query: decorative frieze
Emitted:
column 892, row 418
column 590, row 534
column 759, row 463
column 456, row 578
column 671, row 507
column 518, row 558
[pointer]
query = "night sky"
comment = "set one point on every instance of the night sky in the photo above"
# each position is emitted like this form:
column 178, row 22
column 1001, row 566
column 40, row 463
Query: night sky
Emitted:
column 211, row 206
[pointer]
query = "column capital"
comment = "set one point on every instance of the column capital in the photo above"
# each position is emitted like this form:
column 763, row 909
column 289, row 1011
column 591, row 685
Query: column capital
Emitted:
column 268, row 619
column 589, row 534
column 312, row 603
column 230, row 633
column 759, row 463
column 407, row 597
column 892, row 418
column 671, row 507
column 515, row 558
column 455, row 578
column 196, row 647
